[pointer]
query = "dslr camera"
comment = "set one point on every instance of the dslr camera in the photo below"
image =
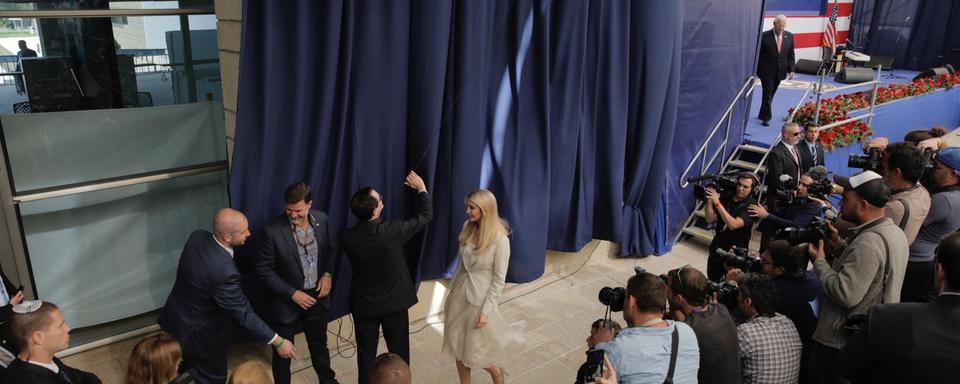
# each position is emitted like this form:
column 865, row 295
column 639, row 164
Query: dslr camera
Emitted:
column 726, row 293
column 739, row 258
column 724, row 183
column 613, row 297
column 869, row 162
column 816, row 230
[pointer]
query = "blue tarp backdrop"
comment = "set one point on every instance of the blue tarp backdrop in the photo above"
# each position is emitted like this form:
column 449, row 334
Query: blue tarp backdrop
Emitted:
column 564, row 109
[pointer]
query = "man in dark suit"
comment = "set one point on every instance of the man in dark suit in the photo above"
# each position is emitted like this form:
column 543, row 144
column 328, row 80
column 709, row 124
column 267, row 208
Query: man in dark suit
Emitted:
column 811, row 151
column 23, row 53
column 206, row 296
column 295, row 265
column 776, row 62
column 912, row 342
column 382, row 289
column 40, row 331
column 784, row 159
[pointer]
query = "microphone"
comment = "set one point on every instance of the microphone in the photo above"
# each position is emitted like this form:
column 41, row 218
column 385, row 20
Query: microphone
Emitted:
column 785, row 178
column 818, row 172
column 699, row 178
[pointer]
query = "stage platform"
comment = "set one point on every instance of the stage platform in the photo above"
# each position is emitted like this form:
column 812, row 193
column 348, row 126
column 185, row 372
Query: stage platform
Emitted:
column 892, row 120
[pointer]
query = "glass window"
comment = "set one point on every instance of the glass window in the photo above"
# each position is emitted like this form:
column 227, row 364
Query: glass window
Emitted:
column 111, row 254
column 64, row 64
column 27, row 5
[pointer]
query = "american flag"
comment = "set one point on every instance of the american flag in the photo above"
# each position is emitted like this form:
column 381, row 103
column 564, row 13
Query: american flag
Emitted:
column 830, row 32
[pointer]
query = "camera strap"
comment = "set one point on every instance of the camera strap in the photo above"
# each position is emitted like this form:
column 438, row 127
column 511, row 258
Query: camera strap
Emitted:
column 906, row 214
column 674, row 346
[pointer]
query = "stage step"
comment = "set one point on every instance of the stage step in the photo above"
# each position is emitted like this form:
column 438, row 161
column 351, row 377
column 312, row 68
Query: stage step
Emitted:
column 701, row 234
column 753, row 148
column 748, row 165
column 700, row 213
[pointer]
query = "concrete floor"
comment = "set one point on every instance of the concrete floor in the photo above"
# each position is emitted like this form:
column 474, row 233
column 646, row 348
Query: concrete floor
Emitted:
column 557, row 309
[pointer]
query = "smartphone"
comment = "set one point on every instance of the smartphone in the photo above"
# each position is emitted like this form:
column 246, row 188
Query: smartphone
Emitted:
column 595, row 364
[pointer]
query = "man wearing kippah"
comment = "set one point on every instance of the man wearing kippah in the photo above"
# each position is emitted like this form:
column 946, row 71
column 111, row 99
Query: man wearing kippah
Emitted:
column 38, row 330
column 941, row 221
column 868, row 269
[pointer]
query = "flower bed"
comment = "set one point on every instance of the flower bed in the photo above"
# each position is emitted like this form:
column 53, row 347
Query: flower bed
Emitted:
column 836, row 108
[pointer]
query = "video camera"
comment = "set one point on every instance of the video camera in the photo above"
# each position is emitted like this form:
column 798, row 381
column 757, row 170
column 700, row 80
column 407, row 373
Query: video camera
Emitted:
column 928, row 155
column 739, row 258
column 816, row 230
column 724, row 183
column 787, row 190
column 870, row 162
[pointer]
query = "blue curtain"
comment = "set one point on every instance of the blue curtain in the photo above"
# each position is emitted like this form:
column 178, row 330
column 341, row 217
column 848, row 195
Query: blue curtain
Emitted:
column 919, row 34
column 719, row 51
column 564, row 109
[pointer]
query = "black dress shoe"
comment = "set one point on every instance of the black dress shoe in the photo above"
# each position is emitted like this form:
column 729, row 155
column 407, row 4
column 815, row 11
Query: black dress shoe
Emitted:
column 766, row 123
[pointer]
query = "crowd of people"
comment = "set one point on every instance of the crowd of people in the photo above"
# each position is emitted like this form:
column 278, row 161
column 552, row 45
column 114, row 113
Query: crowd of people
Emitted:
column 869, row 293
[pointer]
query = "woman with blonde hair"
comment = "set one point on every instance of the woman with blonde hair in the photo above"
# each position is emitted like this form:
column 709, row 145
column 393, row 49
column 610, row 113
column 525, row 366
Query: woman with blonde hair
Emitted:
column 474, row 332
column 154, row 360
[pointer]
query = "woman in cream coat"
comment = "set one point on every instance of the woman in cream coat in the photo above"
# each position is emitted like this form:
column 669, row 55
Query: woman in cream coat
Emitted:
column 474, row 332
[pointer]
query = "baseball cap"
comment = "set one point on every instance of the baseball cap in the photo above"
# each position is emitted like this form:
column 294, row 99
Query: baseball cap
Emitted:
column 868, row 185
column 950, row 157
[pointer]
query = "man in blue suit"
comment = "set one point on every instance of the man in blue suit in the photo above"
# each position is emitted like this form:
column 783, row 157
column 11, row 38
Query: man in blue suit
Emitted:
column 207, row 296
column 295, row 265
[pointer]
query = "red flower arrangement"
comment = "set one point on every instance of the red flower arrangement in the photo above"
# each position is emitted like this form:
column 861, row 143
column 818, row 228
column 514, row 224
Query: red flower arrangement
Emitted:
column 836, row 108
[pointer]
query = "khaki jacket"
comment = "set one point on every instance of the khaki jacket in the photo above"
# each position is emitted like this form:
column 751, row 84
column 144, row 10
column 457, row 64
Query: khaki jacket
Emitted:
column 483, row 275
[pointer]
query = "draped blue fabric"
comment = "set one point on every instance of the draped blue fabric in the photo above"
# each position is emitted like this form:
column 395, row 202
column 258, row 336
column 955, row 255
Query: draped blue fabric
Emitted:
column 564, row 109
column 919, row 34
column 720, row 40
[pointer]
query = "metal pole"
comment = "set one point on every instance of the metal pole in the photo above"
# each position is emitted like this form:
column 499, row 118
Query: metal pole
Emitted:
column 816, row 109
column 873, row 99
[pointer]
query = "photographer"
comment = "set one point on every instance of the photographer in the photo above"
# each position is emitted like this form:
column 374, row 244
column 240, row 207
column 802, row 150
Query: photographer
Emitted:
column 912, row 342
column 769, row 344
column 901, row 167
column 735, row 226
column 798, row 291
column 797, row 214
column 642, row 352
column 715, row 330
column 942, row 220
column 867, row 270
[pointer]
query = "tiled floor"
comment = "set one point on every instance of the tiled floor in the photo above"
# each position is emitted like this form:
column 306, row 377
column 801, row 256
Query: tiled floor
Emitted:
column 557, row 309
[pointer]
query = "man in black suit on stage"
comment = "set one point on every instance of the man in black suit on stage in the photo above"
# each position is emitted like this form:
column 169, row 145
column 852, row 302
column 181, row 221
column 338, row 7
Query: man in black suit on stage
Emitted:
column 784, row 159
column 912, row 342
column 811, row 151
column 295, row 265
column 206, row 297
column 382, row 289
column 776, row 63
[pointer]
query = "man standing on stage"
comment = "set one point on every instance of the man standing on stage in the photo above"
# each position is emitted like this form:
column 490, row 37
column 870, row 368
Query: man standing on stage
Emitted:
column 776, row 63
column 295, row 265
column 382, row 288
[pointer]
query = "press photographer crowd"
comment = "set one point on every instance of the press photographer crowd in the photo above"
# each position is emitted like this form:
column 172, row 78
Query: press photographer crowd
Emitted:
column 864, row 291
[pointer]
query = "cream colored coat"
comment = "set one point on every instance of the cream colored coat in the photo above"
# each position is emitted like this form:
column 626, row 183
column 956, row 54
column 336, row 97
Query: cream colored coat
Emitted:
column 484, row 275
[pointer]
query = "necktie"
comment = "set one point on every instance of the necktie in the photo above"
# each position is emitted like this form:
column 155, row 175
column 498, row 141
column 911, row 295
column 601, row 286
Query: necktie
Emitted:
column 813, row 151
column 779, row 38
column 796, row 158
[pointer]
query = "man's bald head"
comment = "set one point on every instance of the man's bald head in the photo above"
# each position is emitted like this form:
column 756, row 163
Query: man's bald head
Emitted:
column 230, row 227
column 389, row 368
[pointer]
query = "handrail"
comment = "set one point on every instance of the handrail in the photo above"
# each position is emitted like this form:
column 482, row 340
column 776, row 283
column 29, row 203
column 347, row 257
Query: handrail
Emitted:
column 747, row 85
column 851, row 86
column 802, row 98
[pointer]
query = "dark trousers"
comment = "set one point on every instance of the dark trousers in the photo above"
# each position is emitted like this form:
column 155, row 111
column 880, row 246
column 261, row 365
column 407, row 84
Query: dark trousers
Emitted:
column 313, row 322
column 918, row 282
column 208, row 370
column 823, row 367
column 396, row 327
column 769, row 85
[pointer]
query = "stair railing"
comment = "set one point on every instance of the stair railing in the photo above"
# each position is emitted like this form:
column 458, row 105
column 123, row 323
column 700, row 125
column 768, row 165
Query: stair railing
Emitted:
column 726, row 118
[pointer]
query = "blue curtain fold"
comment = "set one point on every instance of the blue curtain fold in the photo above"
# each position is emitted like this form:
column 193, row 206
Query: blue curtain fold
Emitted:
column 919, row 34
column 564, row 109
column 719, row 53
